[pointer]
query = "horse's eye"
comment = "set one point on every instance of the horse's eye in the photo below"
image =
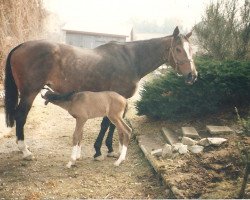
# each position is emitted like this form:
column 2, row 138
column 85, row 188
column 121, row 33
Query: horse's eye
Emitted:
column 178, row 50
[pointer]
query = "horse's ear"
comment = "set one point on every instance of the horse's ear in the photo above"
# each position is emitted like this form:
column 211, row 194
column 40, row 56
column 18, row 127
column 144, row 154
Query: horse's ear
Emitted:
column 176, row 31
column 189, row 34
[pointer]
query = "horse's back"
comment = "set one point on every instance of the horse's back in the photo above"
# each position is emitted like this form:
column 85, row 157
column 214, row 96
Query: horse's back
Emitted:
column 42, row 62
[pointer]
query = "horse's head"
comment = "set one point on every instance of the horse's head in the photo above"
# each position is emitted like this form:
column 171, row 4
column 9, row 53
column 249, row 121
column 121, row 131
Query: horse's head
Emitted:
column 180, row 56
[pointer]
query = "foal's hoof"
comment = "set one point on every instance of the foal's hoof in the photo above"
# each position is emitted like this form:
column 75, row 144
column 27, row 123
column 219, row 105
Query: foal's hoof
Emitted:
column 99, row 158
column 117, row 163
column 113, row 154
column 28, row 157
column 69, row 165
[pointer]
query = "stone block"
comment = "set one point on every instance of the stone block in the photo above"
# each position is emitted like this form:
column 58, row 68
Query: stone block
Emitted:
column 190, row 132
column 156, row 152
column 188, row 141
column 167, row 151
column 196, row 148
column 219, row 130
column 170, row 136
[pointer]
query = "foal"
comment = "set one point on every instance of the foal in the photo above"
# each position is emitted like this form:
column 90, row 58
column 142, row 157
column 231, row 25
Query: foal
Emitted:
column 86, row 105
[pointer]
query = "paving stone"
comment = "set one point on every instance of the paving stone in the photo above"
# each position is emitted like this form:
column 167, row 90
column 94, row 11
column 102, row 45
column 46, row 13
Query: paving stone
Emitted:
column 196, row 148
column 219, row 130
column 170, row 135
column 190, row 132
column 188, row 141
column 156, row 152
column 167, row 151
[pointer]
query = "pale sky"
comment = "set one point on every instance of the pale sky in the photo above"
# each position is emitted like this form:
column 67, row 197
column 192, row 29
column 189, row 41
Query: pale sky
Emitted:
column 184, row 12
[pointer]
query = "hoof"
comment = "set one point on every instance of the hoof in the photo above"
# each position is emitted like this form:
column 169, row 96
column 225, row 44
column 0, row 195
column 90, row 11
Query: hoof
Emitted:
column 28, row 157
column 113, row 154
column 99, row 158
column 117, row 163
column 69, row 165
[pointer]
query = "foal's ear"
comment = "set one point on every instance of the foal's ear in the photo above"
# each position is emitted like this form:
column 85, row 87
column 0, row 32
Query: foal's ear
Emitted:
column 176, row 31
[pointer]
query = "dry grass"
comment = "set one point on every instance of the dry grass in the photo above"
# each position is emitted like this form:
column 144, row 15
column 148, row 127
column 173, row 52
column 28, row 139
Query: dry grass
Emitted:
column 20, row 20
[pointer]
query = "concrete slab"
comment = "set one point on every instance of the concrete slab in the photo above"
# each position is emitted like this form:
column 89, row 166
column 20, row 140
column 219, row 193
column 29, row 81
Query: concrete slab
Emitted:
column 170, row 135
column 147, row 145
column 219, row 130
column 190, row 132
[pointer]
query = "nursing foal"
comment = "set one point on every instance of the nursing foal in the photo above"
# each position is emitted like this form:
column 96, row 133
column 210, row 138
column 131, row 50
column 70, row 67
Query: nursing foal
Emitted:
column 86, row 105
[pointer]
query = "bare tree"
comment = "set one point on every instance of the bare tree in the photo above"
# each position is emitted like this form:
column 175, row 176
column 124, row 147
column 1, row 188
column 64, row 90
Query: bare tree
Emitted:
column 224, row 32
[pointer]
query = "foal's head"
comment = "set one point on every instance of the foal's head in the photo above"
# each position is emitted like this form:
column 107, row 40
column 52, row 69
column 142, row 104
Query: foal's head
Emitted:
column 180, row 56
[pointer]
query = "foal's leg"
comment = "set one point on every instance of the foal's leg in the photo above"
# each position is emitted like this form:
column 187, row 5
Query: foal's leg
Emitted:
column 98, row 143
column 124, row 137
column 77, row 137
column 20, row 117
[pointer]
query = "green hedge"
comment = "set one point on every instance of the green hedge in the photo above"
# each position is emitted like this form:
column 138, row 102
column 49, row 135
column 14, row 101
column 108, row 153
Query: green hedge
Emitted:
column 219, row 84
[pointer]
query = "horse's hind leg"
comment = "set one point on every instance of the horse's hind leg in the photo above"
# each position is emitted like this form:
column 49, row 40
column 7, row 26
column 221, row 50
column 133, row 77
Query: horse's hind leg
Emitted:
column 20, row 117
column 98, row 143
column 109, row 141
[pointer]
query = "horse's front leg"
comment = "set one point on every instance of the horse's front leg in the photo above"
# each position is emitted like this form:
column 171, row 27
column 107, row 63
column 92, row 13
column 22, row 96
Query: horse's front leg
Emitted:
column 77, row 138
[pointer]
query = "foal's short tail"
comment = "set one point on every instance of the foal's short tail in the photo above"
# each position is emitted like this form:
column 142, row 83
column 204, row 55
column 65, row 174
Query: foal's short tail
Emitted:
column 11, row 92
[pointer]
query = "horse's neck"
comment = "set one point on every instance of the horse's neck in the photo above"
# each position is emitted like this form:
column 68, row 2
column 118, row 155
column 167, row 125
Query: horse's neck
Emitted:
column 150, row 54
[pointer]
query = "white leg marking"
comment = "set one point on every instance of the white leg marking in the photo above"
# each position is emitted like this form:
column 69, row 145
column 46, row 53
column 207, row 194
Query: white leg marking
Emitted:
column 120, row 147
column 79, row 149
column 122, row 156
column 73, row 156
column 23, row 148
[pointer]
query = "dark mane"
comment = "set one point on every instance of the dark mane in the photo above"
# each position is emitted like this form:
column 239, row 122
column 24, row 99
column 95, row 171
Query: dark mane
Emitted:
column 52, row 96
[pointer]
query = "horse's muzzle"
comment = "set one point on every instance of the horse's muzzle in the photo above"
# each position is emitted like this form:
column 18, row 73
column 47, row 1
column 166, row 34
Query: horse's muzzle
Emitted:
column 191, row 78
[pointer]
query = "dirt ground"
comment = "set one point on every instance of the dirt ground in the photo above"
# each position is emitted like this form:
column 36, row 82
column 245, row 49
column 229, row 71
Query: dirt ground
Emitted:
column 48, row 134
column 217, row 173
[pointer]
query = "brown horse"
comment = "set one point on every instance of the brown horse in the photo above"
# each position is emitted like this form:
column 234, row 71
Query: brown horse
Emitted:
column 111, row 67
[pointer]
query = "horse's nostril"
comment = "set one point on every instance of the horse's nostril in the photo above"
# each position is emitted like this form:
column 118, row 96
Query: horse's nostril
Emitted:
column 190, row 78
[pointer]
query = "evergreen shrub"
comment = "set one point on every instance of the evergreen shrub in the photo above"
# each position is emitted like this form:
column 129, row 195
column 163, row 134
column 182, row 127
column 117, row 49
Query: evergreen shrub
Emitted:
column 219, row 85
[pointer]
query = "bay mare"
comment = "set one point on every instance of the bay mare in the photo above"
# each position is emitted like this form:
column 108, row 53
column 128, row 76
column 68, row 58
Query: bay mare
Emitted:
column 111, row 67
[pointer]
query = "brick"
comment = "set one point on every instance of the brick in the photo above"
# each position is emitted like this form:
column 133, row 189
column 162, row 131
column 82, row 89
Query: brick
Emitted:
column 219, row 130
column 190, row 132
column 170, row 136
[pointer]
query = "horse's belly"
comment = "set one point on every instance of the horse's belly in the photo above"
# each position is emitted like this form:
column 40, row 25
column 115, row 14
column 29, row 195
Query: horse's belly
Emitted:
column 95, row 112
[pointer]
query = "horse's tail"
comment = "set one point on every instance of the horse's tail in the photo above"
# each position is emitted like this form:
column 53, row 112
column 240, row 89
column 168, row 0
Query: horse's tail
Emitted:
column 11, row 92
